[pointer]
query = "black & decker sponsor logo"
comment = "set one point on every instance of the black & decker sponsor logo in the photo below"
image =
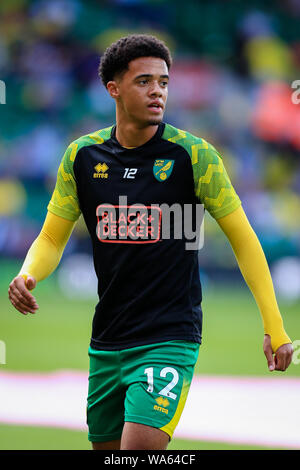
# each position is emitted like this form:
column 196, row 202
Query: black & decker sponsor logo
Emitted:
column 128, row 224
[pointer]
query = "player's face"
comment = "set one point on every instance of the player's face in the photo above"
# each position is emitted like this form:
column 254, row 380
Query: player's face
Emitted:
column 143, row 90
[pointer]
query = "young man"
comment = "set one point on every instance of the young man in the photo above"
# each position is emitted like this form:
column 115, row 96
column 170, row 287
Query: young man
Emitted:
column 147, row 325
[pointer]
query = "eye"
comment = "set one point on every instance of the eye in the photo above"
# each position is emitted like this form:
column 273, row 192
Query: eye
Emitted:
column 143, row 81
column 164, row 83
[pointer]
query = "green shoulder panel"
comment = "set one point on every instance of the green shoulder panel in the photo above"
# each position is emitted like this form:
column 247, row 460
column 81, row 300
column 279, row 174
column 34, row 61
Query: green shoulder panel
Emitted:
column 212, row 185
column 64, row 201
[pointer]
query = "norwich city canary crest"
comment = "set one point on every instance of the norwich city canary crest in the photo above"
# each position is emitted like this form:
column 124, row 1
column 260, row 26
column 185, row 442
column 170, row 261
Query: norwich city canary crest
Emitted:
column 162, row 169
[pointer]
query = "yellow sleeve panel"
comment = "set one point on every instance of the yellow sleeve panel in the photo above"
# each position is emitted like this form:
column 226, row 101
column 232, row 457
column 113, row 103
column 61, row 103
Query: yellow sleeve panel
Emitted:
column 46, row 251
column 64, row 201
column 212, row 184
column 254, row 268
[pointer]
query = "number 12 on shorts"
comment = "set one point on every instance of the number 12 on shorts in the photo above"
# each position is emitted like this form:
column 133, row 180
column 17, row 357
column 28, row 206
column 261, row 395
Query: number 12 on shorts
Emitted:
column 166, row 391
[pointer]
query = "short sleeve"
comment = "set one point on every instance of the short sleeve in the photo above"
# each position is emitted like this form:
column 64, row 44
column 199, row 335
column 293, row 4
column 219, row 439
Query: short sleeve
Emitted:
column 64, row 201
column 212, row 183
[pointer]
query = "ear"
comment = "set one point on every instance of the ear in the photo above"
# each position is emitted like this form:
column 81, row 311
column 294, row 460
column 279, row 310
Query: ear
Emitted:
column 113, row 89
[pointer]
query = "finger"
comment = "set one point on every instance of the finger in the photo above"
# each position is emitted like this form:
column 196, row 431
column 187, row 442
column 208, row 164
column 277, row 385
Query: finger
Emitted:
column 271, row 365
column 19, row 282
column 280, row 362
column 18, row 297
column 19, row 305
column 30, row 283
column 16, row 306
column 20, row 290
column 288, row 360
column 270, row 359
column 21, row 298
column 23, row 308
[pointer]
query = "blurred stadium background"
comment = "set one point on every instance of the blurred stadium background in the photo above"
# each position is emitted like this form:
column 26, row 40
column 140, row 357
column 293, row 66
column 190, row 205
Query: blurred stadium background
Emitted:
column 231, row 83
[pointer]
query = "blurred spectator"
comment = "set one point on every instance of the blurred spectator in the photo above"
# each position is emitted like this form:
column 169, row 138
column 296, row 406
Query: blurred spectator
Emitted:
column 230, row 83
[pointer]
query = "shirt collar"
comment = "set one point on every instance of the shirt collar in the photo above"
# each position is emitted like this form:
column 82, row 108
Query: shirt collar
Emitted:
column 153, row 139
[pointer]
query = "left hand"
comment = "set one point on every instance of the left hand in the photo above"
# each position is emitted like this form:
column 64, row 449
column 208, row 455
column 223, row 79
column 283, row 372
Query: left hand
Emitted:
column 282, row 358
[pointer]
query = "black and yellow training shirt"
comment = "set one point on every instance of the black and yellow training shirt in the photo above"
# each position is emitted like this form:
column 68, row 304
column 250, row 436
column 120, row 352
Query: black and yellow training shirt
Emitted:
column 148, row 283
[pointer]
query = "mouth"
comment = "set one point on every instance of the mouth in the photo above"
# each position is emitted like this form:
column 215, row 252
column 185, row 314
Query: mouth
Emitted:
column 155, row 107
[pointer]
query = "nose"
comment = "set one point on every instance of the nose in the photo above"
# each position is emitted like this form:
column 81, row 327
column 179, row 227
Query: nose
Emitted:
column 155, row 89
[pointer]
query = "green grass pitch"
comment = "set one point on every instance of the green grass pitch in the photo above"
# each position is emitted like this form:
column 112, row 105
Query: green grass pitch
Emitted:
column 57, row 337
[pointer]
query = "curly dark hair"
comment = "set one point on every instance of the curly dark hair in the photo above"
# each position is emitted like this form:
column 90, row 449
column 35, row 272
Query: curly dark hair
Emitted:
column 117, row 56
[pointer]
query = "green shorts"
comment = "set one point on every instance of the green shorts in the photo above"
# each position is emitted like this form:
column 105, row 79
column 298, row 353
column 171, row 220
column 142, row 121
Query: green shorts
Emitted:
column 146, row 384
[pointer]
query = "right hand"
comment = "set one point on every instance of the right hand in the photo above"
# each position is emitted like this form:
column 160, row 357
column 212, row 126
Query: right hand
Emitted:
column 283, row 355
column 19, row 295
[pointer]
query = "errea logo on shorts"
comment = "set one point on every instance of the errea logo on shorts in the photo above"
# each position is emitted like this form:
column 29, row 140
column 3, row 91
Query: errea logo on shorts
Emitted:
column 163, row 403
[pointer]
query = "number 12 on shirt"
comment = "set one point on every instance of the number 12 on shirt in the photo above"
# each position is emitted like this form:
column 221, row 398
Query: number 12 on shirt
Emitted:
column 130, row 173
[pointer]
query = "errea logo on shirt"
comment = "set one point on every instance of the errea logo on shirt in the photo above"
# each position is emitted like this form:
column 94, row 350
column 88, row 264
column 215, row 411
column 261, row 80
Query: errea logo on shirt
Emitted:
column 101, row 169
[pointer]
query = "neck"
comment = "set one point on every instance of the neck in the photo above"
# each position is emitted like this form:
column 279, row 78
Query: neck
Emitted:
column 131, row 134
